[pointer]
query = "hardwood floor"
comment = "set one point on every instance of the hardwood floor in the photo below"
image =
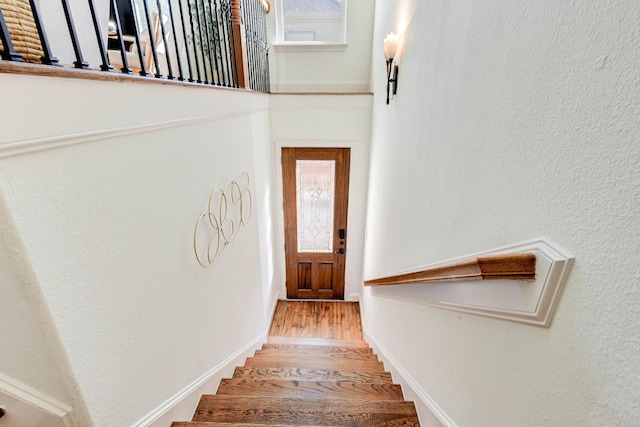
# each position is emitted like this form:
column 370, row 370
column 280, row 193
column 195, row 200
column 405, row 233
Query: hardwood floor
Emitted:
column 315, row 370
column 317, row 319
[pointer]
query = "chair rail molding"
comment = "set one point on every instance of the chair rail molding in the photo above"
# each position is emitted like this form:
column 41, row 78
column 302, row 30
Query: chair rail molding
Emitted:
column 525, row 301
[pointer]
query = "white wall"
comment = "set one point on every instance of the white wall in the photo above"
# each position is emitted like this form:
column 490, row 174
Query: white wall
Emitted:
column 326, row 71
column 326, row 121
column 32, row 350
column 512, row 121
column 107, row 225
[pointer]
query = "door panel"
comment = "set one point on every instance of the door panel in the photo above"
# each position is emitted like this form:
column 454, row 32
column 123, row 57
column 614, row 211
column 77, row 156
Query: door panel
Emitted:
column 316, row 191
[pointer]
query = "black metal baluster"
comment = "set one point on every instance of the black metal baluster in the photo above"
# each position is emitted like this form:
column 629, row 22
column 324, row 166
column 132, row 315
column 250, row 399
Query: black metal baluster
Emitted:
column 136, row 34
column 101, row 47
column 208, row 42
column 256, row 47
column 265, row 46
column 253, row 62
column 248, row 27
column 210, row 48
column 204, row 61
column 230, row 41
column 264, row 52
column 226, row 25
column 8, row 54
column 167, row 54
column 175, row 41
column 123, row 52
column 152, row 39
column 79, row 62
column 186, row 42
column 47, row 57
column 213, row 8
column 193, row 38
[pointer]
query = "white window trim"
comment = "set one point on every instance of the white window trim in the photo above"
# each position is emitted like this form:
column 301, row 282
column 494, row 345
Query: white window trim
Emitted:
column 282, row 45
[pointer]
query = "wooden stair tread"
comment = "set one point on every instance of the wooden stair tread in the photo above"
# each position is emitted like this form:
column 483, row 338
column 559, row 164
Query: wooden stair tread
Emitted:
column 316, row 341
column 310, row 389
column 213, row 424
column 335, row 355
column 297, row 412
column 301, row 374
column 314, row 363
column 297, row 380
column 308, row 348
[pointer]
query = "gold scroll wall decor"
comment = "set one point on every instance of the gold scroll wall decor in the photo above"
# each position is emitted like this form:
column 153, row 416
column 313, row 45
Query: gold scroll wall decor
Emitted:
column 229, row 210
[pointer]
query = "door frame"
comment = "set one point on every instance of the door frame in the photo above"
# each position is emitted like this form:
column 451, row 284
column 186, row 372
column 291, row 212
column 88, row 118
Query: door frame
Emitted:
column 336, row 257
column 354, row 239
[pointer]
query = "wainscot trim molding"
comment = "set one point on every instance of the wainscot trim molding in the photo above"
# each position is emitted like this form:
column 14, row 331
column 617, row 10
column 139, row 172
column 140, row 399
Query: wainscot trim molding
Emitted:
column 37, row 400
column 14, row 148
column 410, row 387
column 525, row 301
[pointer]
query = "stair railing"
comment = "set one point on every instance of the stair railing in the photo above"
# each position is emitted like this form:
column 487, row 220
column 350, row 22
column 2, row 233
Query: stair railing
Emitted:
column 207, row 42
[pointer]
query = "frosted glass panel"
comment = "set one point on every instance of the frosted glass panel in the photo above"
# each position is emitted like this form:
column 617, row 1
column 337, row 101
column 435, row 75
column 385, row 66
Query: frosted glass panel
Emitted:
column 315, row 184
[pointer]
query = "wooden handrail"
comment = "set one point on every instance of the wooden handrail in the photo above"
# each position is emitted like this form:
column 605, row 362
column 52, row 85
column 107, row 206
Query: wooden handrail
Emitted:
column 490, row 267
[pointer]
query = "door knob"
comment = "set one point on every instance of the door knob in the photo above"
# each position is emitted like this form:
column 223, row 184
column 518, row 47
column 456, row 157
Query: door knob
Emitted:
column 340, row 251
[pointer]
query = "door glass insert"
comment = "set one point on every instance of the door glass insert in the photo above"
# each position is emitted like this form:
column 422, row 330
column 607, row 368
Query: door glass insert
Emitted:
column 315, row 184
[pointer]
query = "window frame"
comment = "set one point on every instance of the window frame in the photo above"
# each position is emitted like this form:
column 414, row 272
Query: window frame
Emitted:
column 282, row 45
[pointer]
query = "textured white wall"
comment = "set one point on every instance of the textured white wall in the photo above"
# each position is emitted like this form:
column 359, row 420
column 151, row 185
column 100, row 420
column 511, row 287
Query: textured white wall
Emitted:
column 314, row 71
column 512, row 121
column 326, row 121
column 32, row 351
column 108, row 228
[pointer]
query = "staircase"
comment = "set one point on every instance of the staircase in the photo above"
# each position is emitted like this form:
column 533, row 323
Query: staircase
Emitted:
column 307, row 382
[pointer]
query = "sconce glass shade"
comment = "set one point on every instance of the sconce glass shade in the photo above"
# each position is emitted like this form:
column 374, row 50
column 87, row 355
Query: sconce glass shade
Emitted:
column 391, row 46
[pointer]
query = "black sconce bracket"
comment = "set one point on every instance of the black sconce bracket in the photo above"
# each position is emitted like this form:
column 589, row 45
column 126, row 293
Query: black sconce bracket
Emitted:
column 392, row 80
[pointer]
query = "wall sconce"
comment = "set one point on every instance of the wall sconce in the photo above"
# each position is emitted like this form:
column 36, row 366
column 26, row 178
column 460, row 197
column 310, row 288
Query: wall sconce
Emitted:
column 390, row 50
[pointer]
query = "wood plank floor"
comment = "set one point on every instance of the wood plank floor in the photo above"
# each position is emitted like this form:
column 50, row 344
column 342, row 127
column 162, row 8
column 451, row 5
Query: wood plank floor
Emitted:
column 317, row 319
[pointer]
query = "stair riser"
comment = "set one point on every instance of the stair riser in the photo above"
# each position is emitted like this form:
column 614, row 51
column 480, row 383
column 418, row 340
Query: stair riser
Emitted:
column 318, row 342
column 317, row 349
column 312, row 375
column 347, row 365
column 302, row 355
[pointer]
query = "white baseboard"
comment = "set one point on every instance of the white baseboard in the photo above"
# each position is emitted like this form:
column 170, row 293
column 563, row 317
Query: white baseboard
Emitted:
column 321, row 87
column 183, row 404
column 429, row 412
column 29, row 407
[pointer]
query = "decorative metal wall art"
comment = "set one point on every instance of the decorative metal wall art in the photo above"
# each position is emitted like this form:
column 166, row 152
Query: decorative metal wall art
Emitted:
column 229, row 210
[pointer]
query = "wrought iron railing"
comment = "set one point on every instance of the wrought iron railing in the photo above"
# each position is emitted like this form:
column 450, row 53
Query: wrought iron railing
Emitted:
column 209, row 42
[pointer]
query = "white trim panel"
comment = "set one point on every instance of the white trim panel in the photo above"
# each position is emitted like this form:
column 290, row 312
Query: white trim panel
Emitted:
column 26, row 406
column 532, row 302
